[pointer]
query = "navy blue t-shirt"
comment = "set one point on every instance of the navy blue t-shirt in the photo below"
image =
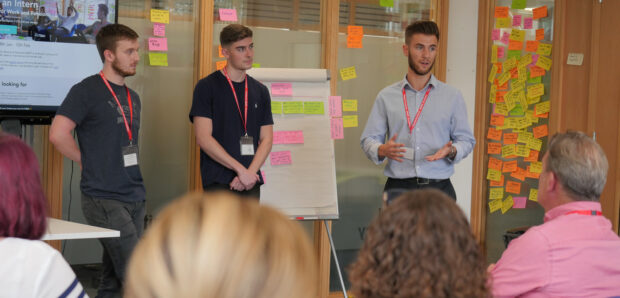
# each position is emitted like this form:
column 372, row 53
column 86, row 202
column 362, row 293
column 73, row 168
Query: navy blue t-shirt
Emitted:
column 214, row 99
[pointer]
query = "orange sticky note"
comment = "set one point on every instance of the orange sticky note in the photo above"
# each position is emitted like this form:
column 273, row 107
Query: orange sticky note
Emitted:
column 501, row 11
column 519, row 174
column 510, row 138
column 354, row 42
column 514, row 73
column 515, row 45
column 494, row 148
column 219, row 52
column 531, row 45
column 540, row 131
column 538, row 12
column 499, row 67
column 499, row 96
column 530, row 174
column 495, row 163
column 536, row 71
column 494, row 134
column 497, row 120
column 220, row 64
column 532, row 157
column 513, row 187
column 355, row 31
column 497, row 183
column 509, row 166
column 540, row 34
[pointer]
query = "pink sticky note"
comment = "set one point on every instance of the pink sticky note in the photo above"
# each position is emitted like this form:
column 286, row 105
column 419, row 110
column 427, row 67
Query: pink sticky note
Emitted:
column 534, row 60
column 335, row 106
column 228, row 14
column 519, row 202
column 528, row 23
column 501, row 52
column 159, row 29
column 516, row 20
column 281, row 89
column 280, row 158
column 495, row 34
column 337, row 128
column 288, row 137
column 505, row 38
column 158, row 44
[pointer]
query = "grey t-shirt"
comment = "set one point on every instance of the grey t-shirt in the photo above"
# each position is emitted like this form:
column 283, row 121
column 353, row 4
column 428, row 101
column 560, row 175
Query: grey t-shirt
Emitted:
column 101, row 135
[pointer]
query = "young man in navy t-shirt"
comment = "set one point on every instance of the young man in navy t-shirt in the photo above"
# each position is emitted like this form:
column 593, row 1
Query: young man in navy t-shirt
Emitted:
column 231, row 112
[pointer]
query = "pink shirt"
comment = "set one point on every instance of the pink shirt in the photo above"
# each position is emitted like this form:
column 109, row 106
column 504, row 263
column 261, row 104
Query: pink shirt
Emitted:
column 570, row 255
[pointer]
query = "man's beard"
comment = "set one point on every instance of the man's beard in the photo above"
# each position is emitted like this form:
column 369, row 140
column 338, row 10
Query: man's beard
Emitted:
column 121, row 72
column 417, row 71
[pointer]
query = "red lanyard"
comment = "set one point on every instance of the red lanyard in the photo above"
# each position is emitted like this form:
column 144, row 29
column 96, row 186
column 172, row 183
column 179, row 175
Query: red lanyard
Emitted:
column 417, row 115
column 127, row 126
column 585, row 212
column 243, row 120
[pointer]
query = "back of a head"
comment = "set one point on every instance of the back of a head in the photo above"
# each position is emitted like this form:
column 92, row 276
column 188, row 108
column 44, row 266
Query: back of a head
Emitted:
column 419, row 246
column 219, row 245
column 110, row 34
column 579, row 163
column 23, row 208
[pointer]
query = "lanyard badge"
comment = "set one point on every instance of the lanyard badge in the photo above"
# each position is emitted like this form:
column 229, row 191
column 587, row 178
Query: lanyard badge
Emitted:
column 246, row 142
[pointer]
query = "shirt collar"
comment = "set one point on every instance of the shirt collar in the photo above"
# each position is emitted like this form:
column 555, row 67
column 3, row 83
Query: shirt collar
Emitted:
column 433, row 82
column 572, row 206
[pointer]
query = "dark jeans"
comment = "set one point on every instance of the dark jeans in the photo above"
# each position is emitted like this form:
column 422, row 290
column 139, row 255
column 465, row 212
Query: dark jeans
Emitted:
column 412, row 183
column 128, row 218
column 253, row 193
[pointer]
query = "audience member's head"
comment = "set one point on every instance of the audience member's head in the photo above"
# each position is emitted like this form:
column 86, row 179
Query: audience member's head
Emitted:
column 574, row 169
column 421, row 245
column 23, row 207
column 219, row 245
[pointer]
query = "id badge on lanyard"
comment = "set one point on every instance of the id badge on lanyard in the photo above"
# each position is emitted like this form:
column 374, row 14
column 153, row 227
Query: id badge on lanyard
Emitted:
column 130, row 155
column 247, row 145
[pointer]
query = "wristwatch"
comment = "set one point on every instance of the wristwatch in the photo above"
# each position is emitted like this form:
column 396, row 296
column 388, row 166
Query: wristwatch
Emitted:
column 452, row 153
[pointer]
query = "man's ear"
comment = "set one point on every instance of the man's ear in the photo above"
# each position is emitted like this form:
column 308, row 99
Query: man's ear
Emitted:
column 108, row 55
column 225, row 52
column 552, row 182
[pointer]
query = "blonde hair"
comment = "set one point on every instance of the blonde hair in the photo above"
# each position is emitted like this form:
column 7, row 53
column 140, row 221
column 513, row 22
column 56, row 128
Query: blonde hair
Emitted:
column 219, row 245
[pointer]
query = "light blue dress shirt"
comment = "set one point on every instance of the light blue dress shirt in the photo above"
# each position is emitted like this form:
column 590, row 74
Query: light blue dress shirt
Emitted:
column 443, row 118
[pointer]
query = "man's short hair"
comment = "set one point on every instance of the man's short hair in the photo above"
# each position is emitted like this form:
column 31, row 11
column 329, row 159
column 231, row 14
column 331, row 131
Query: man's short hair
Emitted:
column 104, row 9
column 233, row 33
column 109, row 35
column 423, row 27
column 579, row 163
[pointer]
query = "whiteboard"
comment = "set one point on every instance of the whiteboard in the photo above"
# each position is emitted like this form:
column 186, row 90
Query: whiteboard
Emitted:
column 305, row 188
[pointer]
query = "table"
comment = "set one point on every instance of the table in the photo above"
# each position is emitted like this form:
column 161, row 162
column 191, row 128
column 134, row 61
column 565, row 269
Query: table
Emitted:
column 58, row 229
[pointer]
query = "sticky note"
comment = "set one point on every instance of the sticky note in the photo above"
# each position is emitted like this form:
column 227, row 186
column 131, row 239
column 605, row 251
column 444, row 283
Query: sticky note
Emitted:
column 535, row 80
column 529, row 174
column 496, row 193
column 497, row 120
column 539, row 12
column 541, row 108
column 293, row 107
column 349, row 105
column 276, row 107
column 335, row 106
column 519, row 174
column 531, row 46
column 518, row 4
column 528, row 23
column 354, row 42
column 158, row 59
column 500, row 108
column 540, row 131
column 533, row 155
column 280, row 158
column 536, row 167
column 281, row 89
column 159, row 29
column 255, row 65
column 349, row 121
column 357, row 31
column 508, row 150
column 494, row 148
column 337, row 129
column 513, row 187
column 492, row 73
column 493, row 94
column 507, row 204
column 228, row 14
column 533, row 194
column 517, row 34
column 160, row 16
column 536, row 71
column 288, row 137
column 522, row 150
column 495, row 34
column 509, row 64
column 497, row 183
column 505, row 38
column 348, row 73
column 544, row 49
column 509, row 166
column 502, row 23
column 501, row 52
column 503, row 78
column 495, row 205
column 220, row 64
column 535, row 144
column 540, row 34
column 314, row 108
column 515, row 45
column 386, row 3
column 494, row 54
column 495, row 163
column 519, row 202
column 158, row 44
column 510, row 138
column 535, row 90
column 516, row 20
column 524, row 137
column 494, row 175
column 494, row 134
column 501, row 12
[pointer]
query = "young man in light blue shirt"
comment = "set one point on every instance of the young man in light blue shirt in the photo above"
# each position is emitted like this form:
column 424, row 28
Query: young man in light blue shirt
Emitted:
column 424, row 121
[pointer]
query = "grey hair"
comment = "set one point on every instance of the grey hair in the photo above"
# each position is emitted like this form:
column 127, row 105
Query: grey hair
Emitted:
column 579, row 163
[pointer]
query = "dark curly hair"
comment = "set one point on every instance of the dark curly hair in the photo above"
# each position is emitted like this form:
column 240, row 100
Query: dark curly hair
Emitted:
column 419, row 246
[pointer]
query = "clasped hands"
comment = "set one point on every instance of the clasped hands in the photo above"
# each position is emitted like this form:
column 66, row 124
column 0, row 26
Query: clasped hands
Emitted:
column 394, row 151
column 245, row 180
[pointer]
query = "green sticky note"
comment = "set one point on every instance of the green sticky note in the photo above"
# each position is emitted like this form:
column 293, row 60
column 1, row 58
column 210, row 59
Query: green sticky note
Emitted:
column 255, row 65
column 536, row 80
column 386, row 3
column 293, row 107
column 513, row 53
column 518, row 4
column 517, row 111
column 158, row 59
column 313, row 108
column 276, row 107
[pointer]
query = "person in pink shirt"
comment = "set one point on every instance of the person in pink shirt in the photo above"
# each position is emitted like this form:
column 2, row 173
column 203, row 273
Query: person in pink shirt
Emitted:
column 574, row 253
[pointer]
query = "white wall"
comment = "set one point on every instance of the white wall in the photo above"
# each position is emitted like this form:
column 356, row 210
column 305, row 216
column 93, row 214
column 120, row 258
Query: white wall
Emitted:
column 461, row 73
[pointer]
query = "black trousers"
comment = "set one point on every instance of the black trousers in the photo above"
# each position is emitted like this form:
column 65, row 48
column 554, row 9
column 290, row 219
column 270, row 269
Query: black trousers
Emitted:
column 395, row 185
column 253, row 193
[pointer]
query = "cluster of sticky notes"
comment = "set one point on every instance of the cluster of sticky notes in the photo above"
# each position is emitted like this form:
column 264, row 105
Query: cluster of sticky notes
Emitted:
column 520, row 58
column 354, row 37
column 278, row 158
column 158, row 46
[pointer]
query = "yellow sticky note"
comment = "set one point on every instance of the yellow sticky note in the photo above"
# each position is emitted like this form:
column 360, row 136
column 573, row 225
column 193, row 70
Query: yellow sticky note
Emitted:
column 533, row 195
column 544, row 62
column 542, row 107
column 492, row 74
column 525, row 60
column 535, row 144
column 509, row 64
column 533, row 100
column 536, row 90
column 255, row 65
column 293, row 107
column 158, row 59
column 508, row 150
column 507, row 204
column 160, row 16
column 496, row 193
column 524, row 137
column 314, row 108
column 536, row 167
column 517, row 34
column 495, row 205
column 521, row 150
column 522, row 73
column 348, row 73
column 494, row 175
column 494, row 54
column 503, row 78
column 500, row 108
column 544, row 49
column 276, row 107
column 349, row 105
column 503, row 23
column 349, row 121
column 493, row 94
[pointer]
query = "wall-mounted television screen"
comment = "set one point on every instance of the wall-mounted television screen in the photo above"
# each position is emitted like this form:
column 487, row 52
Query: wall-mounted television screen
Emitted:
column 45, row 48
